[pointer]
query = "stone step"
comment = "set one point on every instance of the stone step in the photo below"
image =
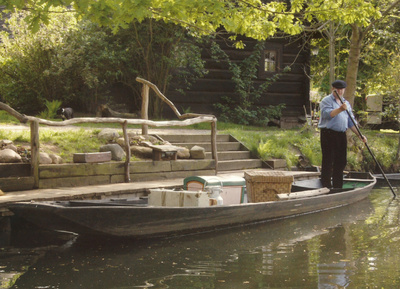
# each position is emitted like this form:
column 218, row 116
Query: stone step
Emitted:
column 230, row 155
column 221, row 146
column 194, row 138
column 232, row 165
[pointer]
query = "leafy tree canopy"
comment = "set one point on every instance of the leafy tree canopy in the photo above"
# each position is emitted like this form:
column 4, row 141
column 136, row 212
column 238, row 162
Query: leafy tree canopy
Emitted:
column 253, row 18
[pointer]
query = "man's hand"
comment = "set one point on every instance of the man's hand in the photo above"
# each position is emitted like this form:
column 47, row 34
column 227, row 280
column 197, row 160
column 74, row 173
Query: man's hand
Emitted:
column 363, row 138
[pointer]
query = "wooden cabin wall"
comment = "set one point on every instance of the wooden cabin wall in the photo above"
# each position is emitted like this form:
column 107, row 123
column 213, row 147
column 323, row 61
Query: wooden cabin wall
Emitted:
column 292, row 88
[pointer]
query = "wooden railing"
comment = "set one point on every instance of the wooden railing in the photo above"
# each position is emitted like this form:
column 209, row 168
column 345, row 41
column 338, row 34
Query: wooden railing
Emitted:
column 185, row 120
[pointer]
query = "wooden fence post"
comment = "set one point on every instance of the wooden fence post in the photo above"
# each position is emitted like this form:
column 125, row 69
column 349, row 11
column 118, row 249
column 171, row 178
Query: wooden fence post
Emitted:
column 145, row 108
column 214, row 144
column 127, row 151
column 35, row 157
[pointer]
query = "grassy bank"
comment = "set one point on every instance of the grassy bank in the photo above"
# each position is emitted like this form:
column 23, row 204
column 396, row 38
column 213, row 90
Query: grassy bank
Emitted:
column 299, row 147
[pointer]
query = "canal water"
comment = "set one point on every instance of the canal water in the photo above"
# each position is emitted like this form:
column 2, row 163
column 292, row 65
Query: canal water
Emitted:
column 357, row 246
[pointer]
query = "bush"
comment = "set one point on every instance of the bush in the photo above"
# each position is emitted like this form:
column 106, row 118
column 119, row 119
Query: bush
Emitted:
column 51, row 111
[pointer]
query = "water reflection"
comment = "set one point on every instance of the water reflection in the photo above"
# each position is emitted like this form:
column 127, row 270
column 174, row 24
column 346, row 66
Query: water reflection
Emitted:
column 349, row 247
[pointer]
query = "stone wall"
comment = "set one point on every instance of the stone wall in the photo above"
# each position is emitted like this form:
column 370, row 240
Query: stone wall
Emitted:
column 16, row 177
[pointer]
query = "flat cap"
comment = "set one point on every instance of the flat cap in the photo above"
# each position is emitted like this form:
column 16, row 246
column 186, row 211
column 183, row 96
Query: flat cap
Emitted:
column 339, row 84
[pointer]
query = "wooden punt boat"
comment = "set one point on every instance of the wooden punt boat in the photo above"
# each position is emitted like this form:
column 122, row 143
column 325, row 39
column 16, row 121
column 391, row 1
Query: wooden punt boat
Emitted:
column 135, row 218
column 394, row 177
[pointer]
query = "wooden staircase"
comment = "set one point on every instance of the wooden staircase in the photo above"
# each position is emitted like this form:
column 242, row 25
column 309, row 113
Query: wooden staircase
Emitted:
column 232, row 154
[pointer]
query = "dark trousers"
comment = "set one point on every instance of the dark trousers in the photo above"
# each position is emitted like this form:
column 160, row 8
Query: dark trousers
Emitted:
column 334, row 157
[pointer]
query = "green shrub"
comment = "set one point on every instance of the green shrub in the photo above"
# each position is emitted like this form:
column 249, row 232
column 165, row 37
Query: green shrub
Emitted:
column 51, row 109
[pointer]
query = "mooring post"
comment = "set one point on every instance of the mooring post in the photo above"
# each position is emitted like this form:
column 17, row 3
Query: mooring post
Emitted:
column 127, row 151
column 145, row 107
column 35, row 157
column 214, row 144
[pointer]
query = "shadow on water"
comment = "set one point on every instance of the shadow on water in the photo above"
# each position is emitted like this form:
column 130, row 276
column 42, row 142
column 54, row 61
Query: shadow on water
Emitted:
column 320, row 250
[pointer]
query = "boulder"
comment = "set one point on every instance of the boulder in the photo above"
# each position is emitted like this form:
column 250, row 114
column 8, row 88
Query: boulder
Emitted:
column 117, row 152
column 9, row 156
column 55, row 159
column 121, row 142
column 108, row 134
column 183, row 153
column 142, row 152
column 8, row 144
column 12, row 147
column 45, row 159
column 137, row 139
column 5, row 142
column 197, row 152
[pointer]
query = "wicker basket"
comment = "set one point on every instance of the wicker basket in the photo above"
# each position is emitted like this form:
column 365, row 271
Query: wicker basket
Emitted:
column 263, row 186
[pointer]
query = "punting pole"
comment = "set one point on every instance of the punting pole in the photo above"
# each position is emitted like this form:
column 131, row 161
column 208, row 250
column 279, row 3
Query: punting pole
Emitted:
column 370, row 151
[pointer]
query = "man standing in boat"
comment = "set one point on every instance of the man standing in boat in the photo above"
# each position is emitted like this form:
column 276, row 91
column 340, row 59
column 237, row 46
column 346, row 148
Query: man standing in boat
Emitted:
column 333, row 124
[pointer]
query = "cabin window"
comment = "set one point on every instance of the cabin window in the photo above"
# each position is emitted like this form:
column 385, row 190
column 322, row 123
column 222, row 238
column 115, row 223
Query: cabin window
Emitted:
column 270, row 61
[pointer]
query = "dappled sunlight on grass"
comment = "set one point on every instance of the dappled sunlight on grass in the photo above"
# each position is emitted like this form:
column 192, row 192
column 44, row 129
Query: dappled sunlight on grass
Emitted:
column 389, row 131
column 15, row 135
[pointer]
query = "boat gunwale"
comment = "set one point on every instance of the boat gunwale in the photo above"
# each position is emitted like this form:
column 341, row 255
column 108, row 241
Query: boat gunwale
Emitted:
column 59, row 204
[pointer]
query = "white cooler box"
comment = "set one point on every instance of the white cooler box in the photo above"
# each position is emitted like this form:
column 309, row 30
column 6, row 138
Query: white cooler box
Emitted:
column 233, row 187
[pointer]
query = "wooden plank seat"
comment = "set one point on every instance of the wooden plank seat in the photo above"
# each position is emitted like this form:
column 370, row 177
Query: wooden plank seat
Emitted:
column 161, row 152
column 298, row 195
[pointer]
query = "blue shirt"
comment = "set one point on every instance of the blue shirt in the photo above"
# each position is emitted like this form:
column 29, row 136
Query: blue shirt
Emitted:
column 340, row 122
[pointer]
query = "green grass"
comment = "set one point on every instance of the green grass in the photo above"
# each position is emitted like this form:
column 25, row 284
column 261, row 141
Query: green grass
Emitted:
column 290, row 144
column 5, row 117
column 64, row 142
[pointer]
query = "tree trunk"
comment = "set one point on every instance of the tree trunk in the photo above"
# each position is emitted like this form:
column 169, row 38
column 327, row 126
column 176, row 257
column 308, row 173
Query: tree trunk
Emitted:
column 332, row 56
column 357, row 36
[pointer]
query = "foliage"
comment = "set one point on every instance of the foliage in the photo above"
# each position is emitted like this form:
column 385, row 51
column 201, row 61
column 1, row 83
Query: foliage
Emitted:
column 156, row 50
column 25, row 59
column 254, row 18
column 80, row 62
column 387, row 83
column 362, row 51
column 289, row 145
column 244, row 109
column 51, row 111
column 62, row 61
column 386, row 146
column 320, row 62
column 353, row 162
column 378, row 73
